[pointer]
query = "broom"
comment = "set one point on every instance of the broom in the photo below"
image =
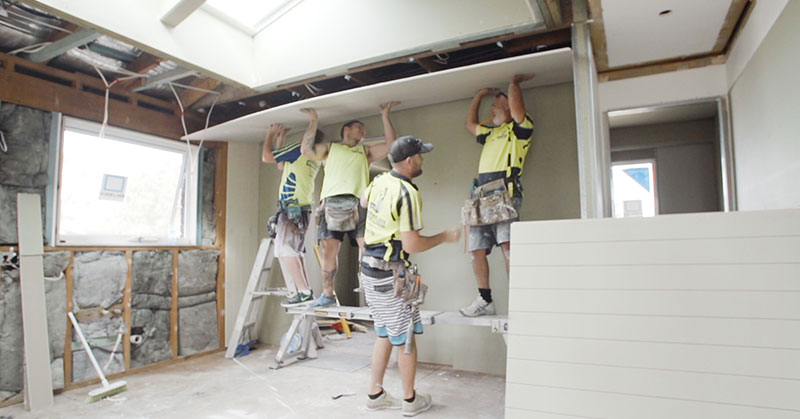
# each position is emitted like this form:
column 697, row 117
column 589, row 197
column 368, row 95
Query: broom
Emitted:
column 107, row 389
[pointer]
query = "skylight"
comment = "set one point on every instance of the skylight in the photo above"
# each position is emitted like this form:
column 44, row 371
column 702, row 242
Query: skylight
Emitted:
column 251, row 16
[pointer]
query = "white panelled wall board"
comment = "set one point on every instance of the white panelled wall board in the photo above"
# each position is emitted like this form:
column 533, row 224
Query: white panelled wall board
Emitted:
column 675, row 316
column 550, row 67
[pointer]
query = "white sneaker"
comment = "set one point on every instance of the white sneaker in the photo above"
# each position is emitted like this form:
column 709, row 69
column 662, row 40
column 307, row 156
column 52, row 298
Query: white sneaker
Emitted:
column 384, row 401
column 421, row 403
column 479, row 307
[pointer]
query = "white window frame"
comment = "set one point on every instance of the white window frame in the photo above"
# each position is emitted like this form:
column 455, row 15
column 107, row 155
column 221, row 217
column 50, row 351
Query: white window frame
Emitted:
column 190, row 192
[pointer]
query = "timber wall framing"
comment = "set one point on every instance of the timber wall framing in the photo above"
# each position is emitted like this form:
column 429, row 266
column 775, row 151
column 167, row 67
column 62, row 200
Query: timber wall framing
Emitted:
column 45, row 88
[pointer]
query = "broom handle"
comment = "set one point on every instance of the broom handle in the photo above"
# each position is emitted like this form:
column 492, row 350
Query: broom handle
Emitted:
column 87, row 349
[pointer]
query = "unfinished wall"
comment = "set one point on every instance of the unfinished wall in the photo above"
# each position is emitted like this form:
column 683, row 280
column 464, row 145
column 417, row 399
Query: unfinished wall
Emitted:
column 23, row 168
column 764, row 109
column 197, row 301
column 551, row 192
column 151, row 305
column 687, row 168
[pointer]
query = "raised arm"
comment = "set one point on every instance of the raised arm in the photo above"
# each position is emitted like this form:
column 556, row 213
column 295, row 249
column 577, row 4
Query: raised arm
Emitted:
column 472, row 113
column 379, row 151
column 413, row 242
column 312, row 151
column 266, row 151
column 515, row 102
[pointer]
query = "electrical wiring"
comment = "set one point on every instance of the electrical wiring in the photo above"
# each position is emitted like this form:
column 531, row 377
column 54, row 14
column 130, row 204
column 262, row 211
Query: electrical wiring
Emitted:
column 30, row 48
column 108, row 89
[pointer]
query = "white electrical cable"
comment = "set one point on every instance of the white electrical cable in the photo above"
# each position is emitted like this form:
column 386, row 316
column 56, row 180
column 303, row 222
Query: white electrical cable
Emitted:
column 30, row 48
column 183, row 119
column 313, row 89
column 108, row 89
column 55, row 278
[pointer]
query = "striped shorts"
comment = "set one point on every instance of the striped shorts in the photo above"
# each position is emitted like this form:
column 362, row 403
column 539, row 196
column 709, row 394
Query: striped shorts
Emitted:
column 390, row 314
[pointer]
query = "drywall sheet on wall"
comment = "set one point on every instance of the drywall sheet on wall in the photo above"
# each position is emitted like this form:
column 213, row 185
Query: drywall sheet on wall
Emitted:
column 551, row 67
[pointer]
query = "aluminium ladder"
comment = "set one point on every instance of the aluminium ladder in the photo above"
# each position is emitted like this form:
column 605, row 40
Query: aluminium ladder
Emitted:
column 256, row 290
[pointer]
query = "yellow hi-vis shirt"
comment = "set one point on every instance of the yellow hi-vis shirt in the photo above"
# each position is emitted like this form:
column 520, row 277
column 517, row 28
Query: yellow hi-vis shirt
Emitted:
column 394, row 207
column 346, row 171
column 504, row 149
column 297, row 180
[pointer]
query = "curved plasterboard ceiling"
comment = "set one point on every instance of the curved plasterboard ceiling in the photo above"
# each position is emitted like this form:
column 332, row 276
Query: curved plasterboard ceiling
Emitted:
column 314, row 38
column 637, row 31
column 551, row 67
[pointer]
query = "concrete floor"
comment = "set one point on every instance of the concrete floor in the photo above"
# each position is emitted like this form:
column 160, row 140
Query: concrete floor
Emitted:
column 214, row 387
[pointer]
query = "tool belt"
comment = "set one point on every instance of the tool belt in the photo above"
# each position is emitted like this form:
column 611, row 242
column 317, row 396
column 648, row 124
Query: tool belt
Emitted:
column 408, row 284
column 490, row 204
column 341, row 213
column 293, row 211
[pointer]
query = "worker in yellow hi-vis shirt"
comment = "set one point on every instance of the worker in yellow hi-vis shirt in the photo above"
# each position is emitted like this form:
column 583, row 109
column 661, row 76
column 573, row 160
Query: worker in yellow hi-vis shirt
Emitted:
column 394, row 221
column 295, row 197
column 505, row 146
column 346, row 176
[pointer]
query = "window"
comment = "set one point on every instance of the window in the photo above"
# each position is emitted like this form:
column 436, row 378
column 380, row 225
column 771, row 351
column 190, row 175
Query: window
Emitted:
column 634, row 189
column 250, row 16
column 125, row 189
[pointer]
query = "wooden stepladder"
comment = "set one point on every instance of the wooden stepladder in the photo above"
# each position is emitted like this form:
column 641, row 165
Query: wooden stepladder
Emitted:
column 254, row 293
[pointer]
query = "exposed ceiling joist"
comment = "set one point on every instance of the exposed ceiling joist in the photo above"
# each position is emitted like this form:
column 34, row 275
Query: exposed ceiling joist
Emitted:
column 190, row 97
column 76, row 39
column 141, row 65
column 172, row 75
column 597, row 33
column 180, row 11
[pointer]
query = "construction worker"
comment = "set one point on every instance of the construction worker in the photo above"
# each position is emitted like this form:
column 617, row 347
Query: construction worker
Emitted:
column 346, row 176
column 394, row 221
column 505, row 146
column 295, row 196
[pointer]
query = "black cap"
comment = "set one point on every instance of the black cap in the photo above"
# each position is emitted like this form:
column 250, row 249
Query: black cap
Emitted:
column 407, row 146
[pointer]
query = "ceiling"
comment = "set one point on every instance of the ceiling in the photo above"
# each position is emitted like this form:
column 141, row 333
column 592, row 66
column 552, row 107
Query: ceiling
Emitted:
column 627, row 36
column 662, row 114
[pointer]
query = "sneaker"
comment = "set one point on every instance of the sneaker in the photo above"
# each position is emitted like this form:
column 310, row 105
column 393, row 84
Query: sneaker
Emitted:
column 384, row 401
column 479, row 307
column 421, row 403
column 298, row 299
column 323, row 301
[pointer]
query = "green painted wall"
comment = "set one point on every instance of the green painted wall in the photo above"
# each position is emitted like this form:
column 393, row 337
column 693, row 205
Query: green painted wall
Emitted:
column 551, row 192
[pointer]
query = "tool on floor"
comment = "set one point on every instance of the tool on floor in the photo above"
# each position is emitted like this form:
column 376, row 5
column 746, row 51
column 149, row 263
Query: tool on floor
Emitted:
column 107, row 389
column 251, row 302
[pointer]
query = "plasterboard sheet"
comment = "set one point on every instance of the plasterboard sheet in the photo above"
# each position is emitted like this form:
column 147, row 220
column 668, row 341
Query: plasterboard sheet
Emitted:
column 551, row 67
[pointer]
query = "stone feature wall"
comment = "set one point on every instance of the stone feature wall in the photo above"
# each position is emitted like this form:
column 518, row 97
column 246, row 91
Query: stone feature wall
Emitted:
column 151, row 302
column 23, row 168
column 99, row 282
column 197, row 301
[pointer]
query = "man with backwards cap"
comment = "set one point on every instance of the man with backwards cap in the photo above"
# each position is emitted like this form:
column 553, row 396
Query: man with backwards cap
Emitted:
column 394, row 221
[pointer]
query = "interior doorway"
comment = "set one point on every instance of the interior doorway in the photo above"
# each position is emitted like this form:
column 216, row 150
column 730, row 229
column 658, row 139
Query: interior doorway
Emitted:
column 671, row 159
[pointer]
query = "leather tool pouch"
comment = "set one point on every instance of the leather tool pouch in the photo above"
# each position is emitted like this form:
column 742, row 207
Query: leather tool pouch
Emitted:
column 408, row 285
column 491, row 204
column 341, row 213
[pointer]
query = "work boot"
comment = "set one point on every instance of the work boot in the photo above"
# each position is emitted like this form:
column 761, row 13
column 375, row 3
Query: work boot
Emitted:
column 421, row 403
column 323, row 301
column 479, row 307
column 384, row 401
column 298, row 299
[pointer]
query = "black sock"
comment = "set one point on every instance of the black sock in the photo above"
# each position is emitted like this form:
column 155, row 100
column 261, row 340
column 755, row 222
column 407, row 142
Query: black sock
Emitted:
column 411, row 400
column 486, row 294
column 376, row 395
